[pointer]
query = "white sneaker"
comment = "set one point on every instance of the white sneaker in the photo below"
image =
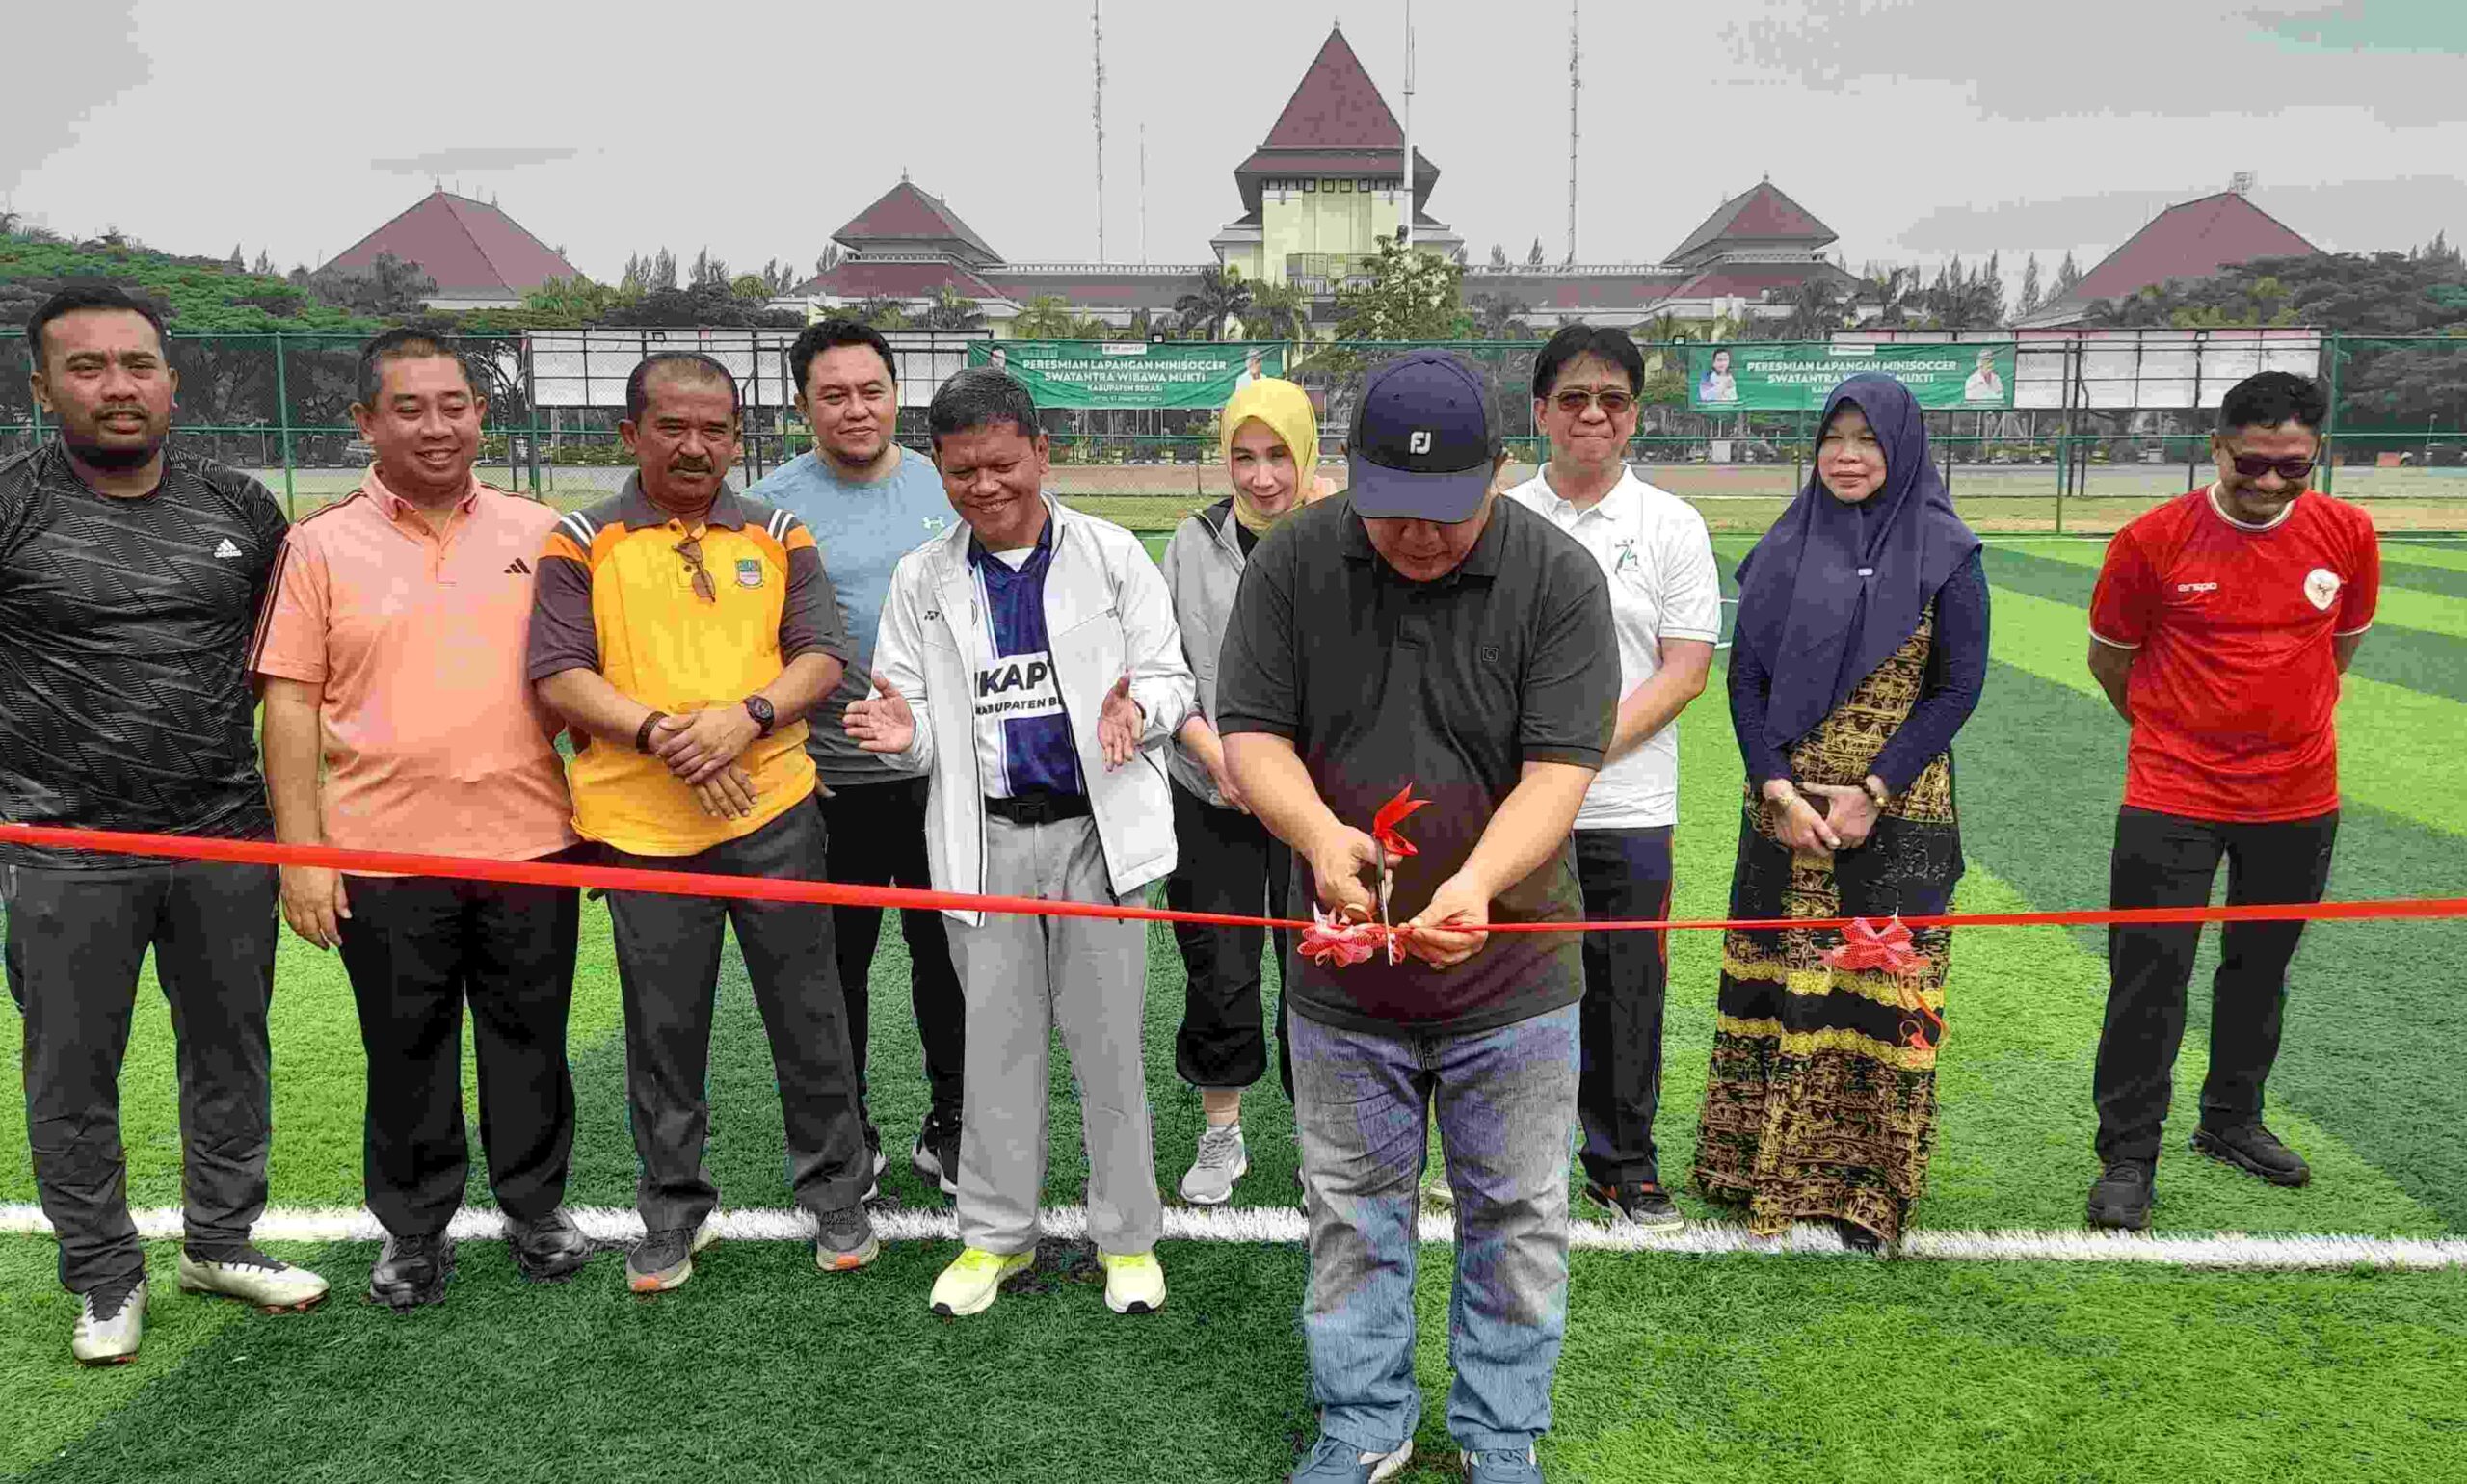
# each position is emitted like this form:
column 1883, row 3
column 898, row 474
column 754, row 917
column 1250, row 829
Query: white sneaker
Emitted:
column 1222, row 1160
column 253, row 1278
column 109, row 1336
column 1134, row 1282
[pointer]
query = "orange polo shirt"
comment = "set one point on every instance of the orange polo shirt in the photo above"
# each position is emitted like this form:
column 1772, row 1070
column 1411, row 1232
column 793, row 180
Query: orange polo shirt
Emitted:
column 434, row 741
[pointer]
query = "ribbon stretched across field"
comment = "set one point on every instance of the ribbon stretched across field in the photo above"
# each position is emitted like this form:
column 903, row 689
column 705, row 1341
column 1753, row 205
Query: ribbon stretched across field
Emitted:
column 392, row 862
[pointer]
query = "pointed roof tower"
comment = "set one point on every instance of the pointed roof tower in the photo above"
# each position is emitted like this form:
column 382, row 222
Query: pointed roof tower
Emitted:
column 2189, row 240
column 476, row 252
column 1335, row 123
column 1759, row 219
column 908, row 220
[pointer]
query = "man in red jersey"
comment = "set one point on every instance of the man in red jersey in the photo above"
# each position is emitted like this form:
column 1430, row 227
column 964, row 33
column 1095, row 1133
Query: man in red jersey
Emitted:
column 2220, row 628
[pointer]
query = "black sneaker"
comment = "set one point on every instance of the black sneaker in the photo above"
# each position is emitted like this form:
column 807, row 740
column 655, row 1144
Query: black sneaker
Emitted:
column 549, row 1249
column 411, row 1271
column 844, row 1240
column 1644, row 1204
column 935, row 1157
column 2120, row 1200
column 2256, row 1151
column 1857, row 1238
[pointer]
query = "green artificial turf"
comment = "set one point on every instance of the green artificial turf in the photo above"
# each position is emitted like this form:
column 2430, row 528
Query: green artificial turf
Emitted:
column 1750, row 1369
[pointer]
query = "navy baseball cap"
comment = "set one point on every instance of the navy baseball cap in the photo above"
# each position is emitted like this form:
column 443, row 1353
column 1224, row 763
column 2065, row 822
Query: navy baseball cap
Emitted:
column 1421, row 448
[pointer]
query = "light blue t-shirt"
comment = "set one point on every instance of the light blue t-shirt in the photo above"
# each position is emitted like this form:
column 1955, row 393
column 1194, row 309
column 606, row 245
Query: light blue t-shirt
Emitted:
column 864, row 530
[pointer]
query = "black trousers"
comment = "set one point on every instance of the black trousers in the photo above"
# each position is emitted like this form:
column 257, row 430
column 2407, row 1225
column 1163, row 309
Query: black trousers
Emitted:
column 1228, row 862
column 875, row 837
column 1625, row 875
column 2169, row 861
column 668, row 971
column 76, row 940
column 416, row 948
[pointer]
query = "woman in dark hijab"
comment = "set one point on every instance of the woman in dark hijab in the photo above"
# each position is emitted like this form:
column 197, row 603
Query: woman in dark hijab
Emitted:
column 1861, row 649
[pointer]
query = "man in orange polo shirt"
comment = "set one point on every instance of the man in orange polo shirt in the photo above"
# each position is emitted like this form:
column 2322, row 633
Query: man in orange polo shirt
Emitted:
column 684, row 631
column 392, row 653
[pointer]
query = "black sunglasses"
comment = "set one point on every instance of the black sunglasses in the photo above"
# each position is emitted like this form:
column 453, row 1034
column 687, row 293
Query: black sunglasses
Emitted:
column 2255, row 465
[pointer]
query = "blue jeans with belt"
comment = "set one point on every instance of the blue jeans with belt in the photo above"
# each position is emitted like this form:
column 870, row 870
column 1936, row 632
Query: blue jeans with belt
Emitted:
column 1505, row 1101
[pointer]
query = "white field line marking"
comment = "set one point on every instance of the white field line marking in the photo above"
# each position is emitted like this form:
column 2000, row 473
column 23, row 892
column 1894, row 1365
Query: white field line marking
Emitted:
column 1284, row 1226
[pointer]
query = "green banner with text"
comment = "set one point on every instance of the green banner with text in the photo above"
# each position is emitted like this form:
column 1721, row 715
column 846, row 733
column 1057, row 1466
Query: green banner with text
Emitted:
column 1131, row 373
column 1797, row 377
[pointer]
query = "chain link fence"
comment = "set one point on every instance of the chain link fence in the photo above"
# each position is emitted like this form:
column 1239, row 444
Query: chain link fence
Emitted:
column 279, row 405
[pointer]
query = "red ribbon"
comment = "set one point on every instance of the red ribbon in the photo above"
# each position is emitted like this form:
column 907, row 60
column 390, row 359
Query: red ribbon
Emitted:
column 1889, row 949
column 1382, row 825
column 1336, row 943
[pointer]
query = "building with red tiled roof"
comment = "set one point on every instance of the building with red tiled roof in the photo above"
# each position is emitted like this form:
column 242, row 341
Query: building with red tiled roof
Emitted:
column 480, row 257
column 1322, row 191
column 2188, row 241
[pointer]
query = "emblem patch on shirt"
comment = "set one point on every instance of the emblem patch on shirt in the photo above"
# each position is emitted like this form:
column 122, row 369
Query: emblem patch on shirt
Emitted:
column 749, row 571
column 2321, row 587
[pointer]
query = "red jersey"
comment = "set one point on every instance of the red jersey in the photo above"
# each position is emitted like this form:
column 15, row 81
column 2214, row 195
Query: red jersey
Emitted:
column 2235, row 691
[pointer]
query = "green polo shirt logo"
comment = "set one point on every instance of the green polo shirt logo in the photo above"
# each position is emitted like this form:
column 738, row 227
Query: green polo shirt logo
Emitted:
column 749, row 571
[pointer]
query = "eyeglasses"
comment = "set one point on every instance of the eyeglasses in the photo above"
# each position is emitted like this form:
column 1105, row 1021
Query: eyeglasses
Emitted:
column 1575, row 399
column 2254, row 465
column 691, row 549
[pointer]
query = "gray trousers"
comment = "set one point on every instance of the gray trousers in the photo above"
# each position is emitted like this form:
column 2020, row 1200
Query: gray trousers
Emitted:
column 76, row 940
column 1022, row 977
column 668, row 973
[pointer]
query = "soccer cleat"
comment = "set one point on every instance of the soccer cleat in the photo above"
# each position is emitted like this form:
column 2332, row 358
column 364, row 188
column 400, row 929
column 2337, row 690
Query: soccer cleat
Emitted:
column 935, row 1157
column 1222, row 1160
column 1499, row 1466
column 1643, row 1205
column 111, row 1322
column 1134, row 1282
column 664, row 1260
column 253, row 1278
column 1335, row 1462
column 844, row 1240
column 971, row 1284
column 2120, row 1200
column 410, row 1271
column 549, row 1249
column 2256, row 1151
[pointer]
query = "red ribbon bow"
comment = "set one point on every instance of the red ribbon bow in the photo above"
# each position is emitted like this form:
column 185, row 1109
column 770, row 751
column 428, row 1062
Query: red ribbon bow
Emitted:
column 1382, row 825
column 1336, row 943
column 1889, row 949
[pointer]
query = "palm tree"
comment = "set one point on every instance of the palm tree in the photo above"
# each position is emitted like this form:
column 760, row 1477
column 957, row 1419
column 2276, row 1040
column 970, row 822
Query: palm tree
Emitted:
column 1889, row 290
column 1278, row 311
column 1816, row 310
column 951, row 311
column 1501, row 317
column 1047, row 317
column 1220, row 296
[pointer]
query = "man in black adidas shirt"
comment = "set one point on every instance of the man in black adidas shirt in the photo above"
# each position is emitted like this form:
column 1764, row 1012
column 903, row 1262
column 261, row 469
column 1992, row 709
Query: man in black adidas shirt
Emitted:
column 131, row 582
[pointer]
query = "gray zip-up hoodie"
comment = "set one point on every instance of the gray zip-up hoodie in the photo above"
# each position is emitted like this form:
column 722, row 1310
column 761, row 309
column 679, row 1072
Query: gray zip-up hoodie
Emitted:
column 1203, row 571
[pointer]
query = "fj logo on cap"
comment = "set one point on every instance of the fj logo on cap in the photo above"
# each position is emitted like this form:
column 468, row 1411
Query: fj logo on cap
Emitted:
column 1419, row 442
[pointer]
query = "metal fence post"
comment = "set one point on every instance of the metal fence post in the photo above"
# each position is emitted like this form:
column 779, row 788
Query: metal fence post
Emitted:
column 282, row 406
column 2330, row 425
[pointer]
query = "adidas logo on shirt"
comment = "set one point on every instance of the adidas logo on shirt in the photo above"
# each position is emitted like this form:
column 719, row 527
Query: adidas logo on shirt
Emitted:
column 226, row 551
column 518, row 568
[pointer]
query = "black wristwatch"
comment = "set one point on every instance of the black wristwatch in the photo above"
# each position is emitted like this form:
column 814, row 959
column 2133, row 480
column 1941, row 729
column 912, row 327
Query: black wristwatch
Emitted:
column 643, row 733
column 759, row 708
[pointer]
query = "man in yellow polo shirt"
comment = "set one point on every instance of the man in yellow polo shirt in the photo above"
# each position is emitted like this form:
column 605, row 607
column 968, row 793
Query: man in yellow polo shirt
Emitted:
column 682, row 632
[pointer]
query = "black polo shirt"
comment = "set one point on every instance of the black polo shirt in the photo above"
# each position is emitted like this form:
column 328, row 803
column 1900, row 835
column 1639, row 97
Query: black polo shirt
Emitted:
column 1451, row 686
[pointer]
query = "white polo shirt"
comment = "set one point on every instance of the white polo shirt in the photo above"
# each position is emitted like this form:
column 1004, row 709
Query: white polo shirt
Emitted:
column 1652, row 547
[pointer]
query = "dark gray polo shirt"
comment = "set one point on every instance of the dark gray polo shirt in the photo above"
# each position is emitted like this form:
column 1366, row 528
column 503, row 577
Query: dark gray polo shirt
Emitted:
column 1452, row 686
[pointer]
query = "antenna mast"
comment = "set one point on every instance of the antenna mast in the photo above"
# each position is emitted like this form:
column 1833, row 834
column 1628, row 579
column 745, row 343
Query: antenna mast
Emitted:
column 1143, row 190
column 1097, row 23
column 1406, row 234
column 1576, row 86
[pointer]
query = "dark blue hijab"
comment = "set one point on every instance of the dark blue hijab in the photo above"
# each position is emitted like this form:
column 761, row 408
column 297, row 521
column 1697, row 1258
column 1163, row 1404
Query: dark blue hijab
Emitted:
column 1804, row 607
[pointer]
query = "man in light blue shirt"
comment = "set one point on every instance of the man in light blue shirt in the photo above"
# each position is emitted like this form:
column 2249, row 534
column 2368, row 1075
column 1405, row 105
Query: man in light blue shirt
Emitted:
column 867, row 502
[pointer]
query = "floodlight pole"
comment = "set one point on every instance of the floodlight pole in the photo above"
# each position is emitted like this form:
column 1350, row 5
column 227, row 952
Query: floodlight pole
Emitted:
column 1406, row 234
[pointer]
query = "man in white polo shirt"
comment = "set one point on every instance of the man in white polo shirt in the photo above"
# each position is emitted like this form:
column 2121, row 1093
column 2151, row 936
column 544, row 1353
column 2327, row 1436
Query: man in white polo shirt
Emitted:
column 1665, row 602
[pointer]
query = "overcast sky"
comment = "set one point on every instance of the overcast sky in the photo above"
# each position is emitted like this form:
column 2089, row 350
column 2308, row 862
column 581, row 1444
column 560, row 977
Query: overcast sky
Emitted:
column 1916, row 131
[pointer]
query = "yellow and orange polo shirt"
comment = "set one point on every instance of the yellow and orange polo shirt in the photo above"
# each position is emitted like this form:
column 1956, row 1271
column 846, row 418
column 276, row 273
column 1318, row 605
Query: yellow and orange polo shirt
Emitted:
column 617, row 594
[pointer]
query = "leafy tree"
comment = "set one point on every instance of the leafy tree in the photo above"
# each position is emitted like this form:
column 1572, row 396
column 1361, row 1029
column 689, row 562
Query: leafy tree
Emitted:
column 1533, row 259
column 388, row 286
column 238, row 263
column 1279, row 311
column 2068, row 278
column 1818, row 309
column 1221, row 295
column 707, row 271
column 751, row 287
column 1409, row 296
column 1499, row 255
column 573, row 302
column 1890, row 290
column 880, row 311
column 1047, row 317
column 1501, row 317
column 264, row 266
column 950, row 310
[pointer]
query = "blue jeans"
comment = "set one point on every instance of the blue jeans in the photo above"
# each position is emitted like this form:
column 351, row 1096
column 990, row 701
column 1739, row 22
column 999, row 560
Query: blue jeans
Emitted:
column 1506, row 1099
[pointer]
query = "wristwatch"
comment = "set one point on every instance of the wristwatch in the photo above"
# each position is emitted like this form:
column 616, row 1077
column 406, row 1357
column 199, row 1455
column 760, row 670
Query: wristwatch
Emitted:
column 643, row 733
column 759, row 708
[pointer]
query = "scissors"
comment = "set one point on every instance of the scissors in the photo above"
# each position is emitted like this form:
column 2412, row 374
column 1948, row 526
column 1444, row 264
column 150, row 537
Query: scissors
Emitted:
column 1387, row 889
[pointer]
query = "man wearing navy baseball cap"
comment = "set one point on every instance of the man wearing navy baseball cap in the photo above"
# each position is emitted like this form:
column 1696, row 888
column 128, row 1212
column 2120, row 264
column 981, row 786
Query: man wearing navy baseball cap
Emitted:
column 1423, row 634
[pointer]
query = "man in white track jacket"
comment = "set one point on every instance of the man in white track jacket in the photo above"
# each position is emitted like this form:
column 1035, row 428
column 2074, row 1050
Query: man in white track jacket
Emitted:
column 1028, row 663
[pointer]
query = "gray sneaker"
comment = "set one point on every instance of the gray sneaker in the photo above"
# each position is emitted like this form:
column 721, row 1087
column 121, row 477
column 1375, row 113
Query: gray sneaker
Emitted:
column 111, row 1322
column 1501, row 1467
column 844, row 1240
column 665, row 1259
column 1222, row 1160
column 1335, row 1462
